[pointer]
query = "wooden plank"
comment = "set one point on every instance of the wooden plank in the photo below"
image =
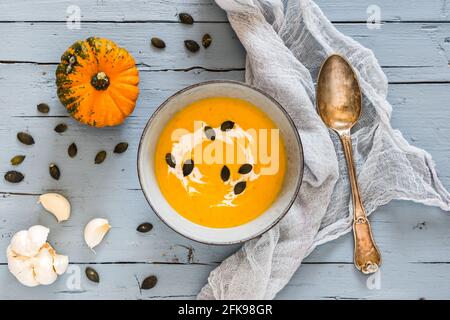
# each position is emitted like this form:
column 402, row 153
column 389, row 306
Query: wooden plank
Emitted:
column 124, row 209
column 207, row 10
column 404, row 232
column 117, row 281
column 311, row 281
column 396, row 11
column 38, row 81
column 53, row 39
column 417, row 74
column 110, row 10
column 426, row 100
column 342, row 281
column 395, row 45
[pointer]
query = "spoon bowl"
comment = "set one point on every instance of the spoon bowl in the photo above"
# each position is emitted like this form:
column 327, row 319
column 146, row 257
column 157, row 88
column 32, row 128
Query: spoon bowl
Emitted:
column 338, row 95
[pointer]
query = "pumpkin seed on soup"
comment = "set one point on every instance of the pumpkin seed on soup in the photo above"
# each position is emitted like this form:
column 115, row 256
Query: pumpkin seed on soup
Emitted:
column 14, row 176
column 60, row 128
column 210, row 133
column 188, row 166
column 16, row 160
column 144, row 227
column 149, row 282
column 191, row 45
column 100, row 157
column 121, row 147
column 170, row 160
column 92, row 275
column 43, row 108
column 245, row 168
column 225, row 173
column 54, row 171
column 206, row 40
column 227, row 125
column 25, row 138
column 72, row 150
column 158, row 43
column 186, row 18
column 239, row 187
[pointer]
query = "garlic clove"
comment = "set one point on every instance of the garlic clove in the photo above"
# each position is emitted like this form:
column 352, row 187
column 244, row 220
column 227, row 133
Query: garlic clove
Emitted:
column 21, row 268
column 60, row 263
column 56, row 204
column 16, row 263
column 21, row 245
column 28, row 242
column 38, row 234
column 95, row 230
column 27, row 278
column 43, row 267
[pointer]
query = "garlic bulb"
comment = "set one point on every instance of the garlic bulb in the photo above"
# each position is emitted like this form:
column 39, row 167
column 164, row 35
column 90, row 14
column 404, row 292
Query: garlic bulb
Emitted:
column 95, row 230
column 56, row 204
column 32, row 260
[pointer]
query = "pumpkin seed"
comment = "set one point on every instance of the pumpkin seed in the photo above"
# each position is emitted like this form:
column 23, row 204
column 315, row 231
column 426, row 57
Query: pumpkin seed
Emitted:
column 225, row 173
column 191, row 45
column 16, row 160
column 43, row 108
column 13, row 176
column 206, row 40
column 239, row 187
column 60, row 128
column 186, row 18
column 210, row 133
column 72, row 150
column 25, row 138
column 188, row 166
column 227, row 125
column 149, row 282
column 144, row 227
column 245, row 168
column 92, row 275
column 121, row 147
column 100, row 157
column 170, row 160
column 54, row 171
column 158, row 43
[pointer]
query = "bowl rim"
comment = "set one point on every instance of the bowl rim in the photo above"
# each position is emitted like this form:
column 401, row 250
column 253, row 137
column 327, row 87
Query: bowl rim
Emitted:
column 280, row 107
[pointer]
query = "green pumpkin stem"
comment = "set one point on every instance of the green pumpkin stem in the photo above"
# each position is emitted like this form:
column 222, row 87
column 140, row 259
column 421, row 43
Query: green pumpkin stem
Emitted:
column 100, row 81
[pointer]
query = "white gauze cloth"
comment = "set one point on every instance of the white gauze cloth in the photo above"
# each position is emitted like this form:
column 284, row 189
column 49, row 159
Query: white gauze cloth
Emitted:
column 286, row 44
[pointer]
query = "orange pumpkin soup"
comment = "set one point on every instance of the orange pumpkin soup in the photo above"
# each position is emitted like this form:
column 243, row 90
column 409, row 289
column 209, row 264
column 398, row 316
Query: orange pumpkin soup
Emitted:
column 220, row 162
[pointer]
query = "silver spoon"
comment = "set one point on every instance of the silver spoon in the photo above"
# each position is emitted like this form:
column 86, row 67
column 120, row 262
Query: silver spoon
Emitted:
column 339, row 106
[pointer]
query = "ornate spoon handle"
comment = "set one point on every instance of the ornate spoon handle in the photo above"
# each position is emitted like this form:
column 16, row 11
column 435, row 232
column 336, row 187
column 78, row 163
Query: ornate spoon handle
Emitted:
column 367, row 257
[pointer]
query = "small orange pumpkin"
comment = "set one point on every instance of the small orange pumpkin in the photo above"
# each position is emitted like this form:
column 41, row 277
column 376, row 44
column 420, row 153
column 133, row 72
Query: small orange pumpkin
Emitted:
column 97, row 82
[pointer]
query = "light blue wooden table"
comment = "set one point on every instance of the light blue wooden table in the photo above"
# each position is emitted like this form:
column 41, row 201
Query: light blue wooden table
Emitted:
column 412, row 45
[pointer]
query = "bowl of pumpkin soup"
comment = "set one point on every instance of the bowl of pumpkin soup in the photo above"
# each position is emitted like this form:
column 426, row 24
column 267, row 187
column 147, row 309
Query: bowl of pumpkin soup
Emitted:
column 220, row 162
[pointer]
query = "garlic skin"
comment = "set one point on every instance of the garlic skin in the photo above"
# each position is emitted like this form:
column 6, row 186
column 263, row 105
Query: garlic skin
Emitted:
column 32, row 260
column 56, row 204
column 60, row 264
column 94, row 231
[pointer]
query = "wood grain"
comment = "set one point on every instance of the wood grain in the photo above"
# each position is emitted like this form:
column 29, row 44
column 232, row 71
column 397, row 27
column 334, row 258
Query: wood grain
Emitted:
column 206, row 10
column 45, row 42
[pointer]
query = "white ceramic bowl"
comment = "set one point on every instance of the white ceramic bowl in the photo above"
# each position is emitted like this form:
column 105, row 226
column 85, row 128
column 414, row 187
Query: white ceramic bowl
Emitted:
column 147, row 150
